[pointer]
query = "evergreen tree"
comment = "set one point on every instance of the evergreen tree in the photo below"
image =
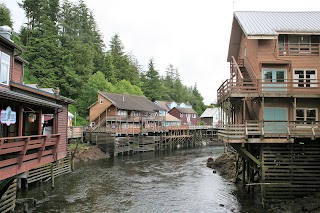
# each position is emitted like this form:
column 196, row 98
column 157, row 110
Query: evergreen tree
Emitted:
column 152, row 85
column 125, row 87
column 5, row 16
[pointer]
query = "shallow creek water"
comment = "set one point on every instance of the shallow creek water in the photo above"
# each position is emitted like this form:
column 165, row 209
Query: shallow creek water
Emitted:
column 166, row 181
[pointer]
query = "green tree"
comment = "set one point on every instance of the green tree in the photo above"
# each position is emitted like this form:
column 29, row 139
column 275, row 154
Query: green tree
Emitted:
column 196, row 100
column 5, row 16
column 89, row 92
column 125, row 87
column 151, row 82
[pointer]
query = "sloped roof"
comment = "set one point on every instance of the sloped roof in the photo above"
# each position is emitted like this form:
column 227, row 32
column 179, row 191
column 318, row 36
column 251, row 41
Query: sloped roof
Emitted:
column 209, row 112
column 131, row 102
column 185, row 110
column 268, row 25
column 171, row 118
column 163, row 104
column 273, row 23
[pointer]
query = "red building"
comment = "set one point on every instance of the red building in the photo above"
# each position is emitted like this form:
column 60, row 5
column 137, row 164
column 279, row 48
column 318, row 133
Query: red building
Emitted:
column 186, row 115
column 26, row 141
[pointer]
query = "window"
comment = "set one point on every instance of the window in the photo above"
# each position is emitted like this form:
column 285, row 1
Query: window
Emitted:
column 4, row 68
column 101, row 100
column 122, row 112
column 305, row 78
column 181, row 115
column 306, row 115
column 194, row 115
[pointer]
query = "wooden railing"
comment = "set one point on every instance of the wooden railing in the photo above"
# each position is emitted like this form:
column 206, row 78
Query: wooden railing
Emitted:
column 75, row 132
column 20, row 154
column 260, row 86
column 291, row 49
column 271, row 129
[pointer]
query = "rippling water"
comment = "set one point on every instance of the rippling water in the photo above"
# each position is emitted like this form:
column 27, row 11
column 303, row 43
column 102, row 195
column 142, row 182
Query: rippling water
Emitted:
column 172, row 181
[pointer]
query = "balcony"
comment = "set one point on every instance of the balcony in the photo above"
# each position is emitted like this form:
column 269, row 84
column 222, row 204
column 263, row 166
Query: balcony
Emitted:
column 21, row 154
column 295, row 49
column 269, row 131
column 258, row 87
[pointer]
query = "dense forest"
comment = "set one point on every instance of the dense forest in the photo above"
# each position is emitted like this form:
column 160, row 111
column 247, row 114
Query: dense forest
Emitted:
column 65, row 49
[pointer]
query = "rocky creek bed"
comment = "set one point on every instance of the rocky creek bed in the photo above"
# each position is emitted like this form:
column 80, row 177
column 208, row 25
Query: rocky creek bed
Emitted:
column 225, row 166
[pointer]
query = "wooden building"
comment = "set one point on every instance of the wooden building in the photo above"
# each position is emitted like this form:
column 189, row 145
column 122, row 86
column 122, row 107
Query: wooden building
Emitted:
column 187, row 115
column 124, row 114
column 26, row 141
column 272, row 100
column 213, row 117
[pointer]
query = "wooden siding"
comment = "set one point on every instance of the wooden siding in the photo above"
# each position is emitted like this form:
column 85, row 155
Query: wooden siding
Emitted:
column 62, row 130
column 17, row 74
column 98, row 108
column 176, row 113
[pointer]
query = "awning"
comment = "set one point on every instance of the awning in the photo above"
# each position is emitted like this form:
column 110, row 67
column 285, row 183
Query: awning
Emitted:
column 15, row 96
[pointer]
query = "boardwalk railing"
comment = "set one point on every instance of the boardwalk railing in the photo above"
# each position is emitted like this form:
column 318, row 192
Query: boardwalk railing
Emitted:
column 75, row 131
column 271, row 129
column 234, row 88
column 20, row 154
column 295, row 49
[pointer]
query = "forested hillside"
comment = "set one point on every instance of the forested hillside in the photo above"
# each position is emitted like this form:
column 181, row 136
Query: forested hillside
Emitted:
column 65, row 49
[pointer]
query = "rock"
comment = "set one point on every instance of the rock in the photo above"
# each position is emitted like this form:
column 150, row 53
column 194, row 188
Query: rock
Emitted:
column 214, row 171
column 221, row 205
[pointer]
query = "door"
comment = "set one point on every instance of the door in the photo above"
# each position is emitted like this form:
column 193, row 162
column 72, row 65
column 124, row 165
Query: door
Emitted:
column 273, row 79
column 275, row 119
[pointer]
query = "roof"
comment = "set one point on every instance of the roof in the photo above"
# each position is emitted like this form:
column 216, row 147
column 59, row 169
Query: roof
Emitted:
column 268, row 25
column 209, row 112
column 10, row 43
column 185, row 110
column 21, row 60
column 273, row 23
column 17, row 96
column 163, row 104
column 131, row 102
column 171, row 118
column 35, row 89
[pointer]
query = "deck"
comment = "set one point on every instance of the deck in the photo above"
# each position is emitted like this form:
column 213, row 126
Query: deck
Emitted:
column 269, row 132
column 21, row 154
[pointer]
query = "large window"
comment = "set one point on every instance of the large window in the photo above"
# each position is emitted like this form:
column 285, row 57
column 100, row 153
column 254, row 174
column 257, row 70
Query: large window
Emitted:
column 306, row 115
column 4, row 68
column 305, row 78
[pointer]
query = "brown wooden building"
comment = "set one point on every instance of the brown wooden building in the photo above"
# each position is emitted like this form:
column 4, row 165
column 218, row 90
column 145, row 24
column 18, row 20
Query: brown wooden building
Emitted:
column 26, row 141
column 272, row 100
column 124, row 114
column 187, row 115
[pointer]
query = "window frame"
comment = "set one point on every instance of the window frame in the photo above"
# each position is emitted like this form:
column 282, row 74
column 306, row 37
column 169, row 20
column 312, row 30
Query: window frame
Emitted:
column 305, row 117
column 8, row 71
column 304, row 79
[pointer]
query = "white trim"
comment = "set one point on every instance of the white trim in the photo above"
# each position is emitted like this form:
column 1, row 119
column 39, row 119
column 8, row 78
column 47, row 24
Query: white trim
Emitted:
column 8, row 64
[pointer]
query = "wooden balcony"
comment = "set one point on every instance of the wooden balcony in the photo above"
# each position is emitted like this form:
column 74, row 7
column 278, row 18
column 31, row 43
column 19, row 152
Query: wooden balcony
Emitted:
column 269, row 131
column 21, row 154
column 259, row 87
column 290, row 49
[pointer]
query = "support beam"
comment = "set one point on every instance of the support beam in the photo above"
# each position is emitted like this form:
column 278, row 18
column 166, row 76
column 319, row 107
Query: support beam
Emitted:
column 247, row 155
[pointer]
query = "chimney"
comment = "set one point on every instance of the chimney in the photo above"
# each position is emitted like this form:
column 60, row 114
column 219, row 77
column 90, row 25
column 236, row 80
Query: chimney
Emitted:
column 5, row 31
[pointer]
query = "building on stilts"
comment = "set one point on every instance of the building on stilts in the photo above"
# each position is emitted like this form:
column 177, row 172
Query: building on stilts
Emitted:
column 271, row 102
column 33, row 127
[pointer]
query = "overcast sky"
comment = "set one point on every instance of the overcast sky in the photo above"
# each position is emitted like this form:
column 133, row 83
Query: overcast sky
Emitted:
column 192, row 35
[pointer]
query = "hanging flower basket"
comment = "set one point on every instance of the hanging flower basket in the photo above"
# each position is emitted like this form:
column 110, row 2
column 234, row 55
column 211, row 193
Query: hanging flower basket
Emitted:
column 32, row 117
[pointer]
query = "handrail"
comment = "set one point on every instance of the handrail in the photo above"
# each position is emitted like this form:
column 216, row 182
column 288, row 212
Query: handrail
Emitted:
column 237, row 71
column 250, row 69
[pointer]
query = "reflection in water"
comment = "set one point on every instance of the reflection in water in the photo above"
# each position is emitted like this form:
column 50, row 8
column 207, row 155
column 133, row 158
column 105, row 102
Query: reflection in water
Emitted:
column 177, row 181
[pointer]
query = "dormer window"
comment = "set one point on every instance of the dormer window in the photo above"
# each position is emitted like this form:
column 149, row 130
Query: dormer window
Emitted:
column 4, row 68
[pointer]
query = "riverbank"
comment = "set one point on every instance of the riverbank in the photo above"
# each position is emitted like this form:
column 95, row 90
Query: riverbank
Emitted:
column 87, row 152
column 225, row 166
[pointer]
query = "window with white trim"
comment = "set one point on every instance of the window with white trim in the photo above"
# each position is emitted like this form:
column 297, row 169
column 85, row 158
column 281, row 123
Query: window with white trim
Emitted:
column 194, row 115
column 101, row 100
column 4, row 68
column 305, row 78
column 181, row 115
column 306, row 115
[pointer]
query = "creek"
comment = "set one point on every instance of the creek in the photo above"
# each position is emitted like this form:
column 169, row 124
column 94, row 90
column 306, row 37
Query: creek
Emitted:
column 160, row 181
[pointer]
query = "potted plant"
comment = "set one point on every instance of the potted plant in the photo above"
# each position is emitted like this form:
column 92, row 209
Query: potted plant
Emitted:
column 32, row 117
